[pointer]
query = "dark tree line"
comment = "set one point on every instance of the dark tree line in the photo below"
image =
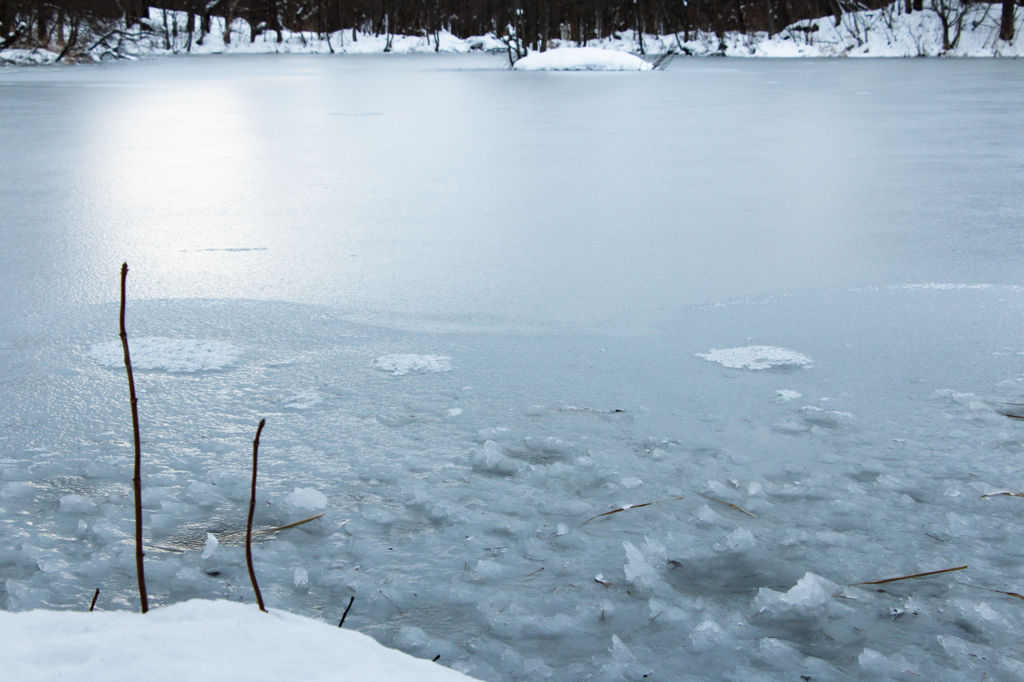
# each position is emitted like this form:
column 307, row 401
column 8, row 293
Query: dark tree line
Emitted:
column 56, row 23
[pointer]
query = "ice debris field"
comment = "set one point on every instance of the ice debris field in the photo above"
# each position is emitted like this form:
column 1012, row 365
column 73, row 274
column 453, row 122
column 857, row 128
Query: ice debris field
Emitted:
column 701, row 503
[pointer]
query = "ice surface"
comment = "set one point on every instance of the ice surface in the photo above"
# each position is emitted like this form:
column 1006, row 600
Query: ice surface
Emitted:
column 581, row 59
column 625, row 228
column 417, row 364
column 758, row 357
column 171, row 355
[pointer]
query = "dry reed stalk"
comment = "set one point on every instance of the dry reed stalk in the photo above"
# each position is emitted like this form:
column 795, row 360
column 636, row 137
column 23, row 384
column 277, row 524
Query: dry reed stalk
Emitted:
column 915, row 575
column 94, row 598
column 631, row 506
column 291, row 525
column 1007, row 494
column 1012, row 594
column 252, row 510
column 137, row 480
column 727, row 504
column 345, row 615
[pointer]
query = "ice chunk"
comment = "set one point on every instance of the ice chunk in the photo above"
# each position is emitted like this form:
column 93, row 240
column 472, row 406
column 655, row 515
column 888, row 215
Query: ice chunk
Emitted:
column 706, row 635
column 740, row 540
column 420, row 364
column 211, row 546
column 756, row 357
column 300, row 578
column 308, row 499
column 784, row 395
column 491, row 459
column 76, row 504
column 378, row 515
column 622, row 666
column 638, row 570
column 808, row 597
column 170, row 355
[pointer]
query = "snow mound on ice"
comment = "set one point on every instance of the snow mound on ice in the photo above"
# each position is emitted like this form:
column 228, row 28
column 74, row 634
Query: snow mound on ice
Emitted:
column 22, row 57
column 420, row 364
column 171, row 355
column 199, row 640
column 756, row 357
column 582, row 59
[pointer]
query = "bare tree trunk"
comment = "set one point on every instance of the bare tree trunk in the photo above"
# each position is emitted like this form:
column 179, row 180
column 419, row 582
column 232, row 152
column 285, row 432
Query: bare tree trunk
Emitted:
column 1006, row 25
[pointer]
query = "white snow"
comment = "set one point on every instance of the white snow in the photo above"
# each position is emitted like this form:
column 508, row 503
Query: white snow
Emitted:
column 170, row 355
column 581, row 59
column 198, row 640
column 758, row 357
column 884, row 32
column 402, row 364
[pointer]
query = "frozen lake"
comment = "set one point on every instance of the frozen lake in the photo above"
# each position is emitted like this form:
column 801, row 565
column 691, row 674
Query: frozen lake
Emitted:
column 469, row 302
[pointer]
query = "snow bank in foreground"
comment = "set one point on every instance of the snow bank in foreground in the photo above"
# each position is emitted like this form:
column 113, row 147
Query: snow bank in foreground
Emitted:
column 757, row 357
column 171, row 355
column 198, row 640
column 582, row 59
column 420, row 364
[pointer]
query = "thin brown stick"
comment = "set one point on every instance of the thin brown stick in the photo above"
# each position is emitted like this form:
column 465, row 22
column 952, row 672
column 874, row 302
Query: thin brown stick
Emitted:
column 137, row 480
column 94, row 598
column 628, row 507
column 291, row 525
column 915, row 575
column 1012, row 594
column 535, row 572
column 727, row 504
column 252, row 510
column 1006, row 494
column 351, row 601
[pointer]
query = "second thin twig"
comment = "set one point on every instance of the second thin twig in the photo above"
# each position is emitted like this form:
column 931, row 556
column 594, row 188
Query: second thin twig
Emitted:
column 252, row 510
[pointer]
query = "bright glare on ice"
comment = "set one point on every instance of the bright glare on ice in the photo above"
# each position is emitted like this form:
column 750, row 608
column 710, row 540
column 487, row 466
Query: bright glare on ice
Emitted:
column 475, row 308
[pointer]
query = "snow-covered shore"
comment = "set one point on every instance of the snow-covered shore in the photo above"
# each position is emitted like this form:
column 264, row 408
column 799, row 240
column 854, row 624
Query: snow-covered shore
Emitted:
column 198, row 640
column 888, row 32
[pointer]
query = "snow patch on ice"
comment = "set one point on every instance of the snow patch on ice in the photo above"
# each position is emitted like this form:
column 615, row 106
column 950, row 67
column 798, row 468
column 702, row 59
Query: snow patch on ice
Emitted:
column 784, row 396
column 582, row 59
column 756, row 357
column 420, row 364
column 170, row 355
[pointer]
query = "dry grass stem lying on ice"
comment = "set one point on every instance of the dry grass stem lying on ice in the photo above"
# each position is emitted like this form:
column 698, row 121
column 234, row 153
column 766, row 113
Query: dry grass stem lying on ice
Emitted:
column 628, row 507
column 727, row 504
column 915, row 575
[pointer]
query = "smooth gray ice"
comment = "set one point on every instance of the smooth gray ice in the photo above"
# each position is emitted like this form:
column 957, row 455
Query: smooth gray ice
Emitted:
column 561, row 246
